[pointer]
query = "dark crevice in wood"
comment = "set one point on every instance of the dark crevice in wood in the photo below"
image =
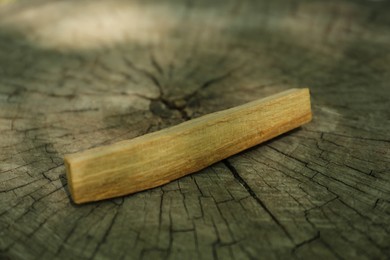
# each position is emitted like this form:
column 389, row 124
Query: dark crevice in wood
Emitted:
column 145, row 73
column 106, row 233
column 208, row 83
column 305, row 242
column 255, row 197
column 156, row 65
column 326, row 184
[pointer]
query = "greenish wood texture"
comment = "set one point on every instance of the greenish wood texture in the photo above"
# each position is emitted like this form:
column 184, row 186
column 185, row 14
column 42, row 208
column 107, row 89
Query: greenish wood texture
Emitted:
column 79, row 74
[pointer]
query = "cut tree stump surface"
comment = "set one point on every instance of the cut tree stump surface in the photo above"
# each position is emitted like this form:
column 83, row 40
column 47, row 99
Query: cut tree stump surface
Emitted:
column 80, row 74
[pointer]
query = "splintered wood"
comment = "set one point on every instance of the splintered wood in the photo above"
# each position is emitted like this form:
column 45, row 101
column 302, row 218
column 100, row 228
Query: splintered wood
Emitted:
column 157, row 158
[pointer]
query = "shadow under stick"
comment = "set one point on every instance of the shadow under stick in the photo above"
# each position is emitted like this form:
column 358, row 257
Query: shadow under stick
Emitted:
column 157, row 158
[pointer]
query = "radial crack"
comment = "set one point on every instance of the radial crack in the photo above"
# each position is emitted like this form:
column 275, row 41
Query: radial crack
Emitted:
column 317, row 236
column 255, row 197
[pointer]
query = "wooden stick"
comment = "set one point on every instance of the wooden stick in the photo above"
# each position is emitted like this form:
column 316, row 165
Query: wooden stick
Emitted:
column 157, row 158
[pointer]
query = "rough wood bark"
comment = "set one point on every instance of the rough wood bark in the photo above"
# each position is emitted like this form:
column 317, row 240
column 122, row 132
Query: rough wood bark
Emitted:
column 78, row 74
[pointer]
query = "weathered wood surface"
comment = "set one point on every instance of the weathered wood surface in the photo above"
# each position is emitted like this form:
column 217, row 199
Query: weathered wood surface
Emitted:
column 78, row 74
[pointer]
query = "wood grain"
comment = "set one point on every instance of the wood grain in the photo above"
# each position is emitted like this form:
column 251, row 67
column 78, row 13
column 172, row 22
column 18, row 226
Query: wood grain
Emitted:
column 161, row 157
column 81, row 74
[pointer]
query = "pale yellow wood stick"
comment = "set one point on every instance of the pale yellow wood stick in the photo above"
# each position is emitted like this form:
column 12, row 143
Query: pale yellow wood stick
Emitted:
column 154, row 159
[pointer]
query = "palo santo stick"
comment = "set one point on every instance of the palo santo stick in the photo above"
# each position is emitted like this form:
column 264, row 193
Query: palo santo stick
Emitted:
column 154, row 159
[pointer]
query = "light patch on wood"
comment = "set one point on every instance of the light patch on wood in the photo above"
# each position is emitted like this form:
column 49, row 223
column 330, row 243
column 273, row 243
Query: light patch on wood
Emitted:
column 93, row 24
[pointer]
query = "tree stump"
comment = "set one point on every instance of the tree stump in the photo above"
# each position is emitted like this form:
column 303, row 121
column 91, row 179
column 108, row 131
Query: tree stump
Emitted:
column 80, row 74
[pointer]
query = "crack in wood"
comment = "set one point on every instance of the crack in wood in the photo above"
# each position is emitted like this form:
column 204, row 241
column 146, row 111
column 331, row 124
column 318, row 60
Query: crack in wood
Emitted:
column 326, row 183
column 255, row 197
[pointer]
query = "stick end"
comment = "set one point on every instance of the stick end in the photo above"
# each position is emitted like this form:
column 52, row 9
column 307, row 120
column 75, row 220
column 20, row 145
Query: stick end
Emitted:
column 68, row 170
